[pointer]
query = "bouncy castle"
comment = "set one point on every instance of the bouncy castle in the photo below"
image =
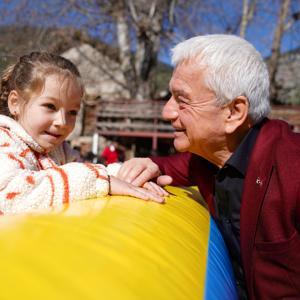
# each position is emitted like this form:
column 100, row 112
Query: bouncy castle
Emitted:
column 116, row 248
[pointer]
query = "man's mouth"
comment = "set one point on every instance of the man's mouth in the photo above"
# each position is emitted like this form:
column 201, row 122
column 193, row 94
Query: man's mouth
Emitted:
column 179, row 129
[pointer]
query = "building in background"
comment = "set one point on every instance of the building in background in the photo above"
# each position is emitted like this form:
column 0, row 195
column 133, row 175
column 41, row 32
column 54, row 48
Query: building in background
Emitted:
column 108, row 111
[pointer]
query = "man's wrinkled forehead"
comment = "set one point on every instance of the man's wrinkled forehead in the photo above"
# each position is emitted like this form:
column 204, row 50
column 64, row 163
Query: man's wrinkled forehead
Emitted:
column 185, row 73
column 179, row 82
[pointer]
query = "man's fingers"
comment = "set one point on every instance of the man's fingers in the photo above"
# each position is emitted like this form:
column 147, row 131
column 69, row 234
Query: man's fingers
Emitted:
column 145, row 176
column 164, row 180
column 138, row 171
column 133, row 173
column 124, row 170
column 130, row 173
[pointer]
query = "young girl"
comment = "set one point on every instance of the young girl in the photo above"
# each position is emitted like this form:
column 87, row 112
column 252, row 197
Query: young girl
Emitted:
column 39, row 98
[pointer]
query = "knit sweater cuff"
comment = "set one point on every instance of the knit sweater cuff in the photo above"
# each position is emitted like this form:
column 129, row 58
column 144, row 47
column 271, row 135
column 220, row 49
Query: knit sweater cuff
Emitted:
column 113, row 169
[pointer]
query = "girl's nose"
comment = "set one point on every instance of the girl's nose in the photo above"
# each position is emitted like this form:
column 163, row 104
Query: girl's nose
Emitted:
column 170, row 110
column 60, row 118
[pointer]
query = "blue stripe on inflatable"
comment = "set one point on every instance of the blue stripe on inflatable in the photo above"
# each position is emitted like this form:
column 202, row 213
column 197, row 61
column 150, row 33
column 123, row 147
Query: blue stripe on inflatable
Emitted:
column 220, row 283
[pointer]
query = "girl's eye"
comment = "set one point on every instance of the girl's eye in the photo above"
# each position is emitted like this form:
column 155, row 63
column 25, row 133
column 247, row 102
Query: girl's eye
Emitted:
column 73, row 113
column 50, row 106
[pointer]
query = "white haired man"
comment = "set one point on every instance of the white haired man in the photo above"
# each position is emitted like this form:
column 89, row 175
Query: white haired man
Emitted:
column 246, row 166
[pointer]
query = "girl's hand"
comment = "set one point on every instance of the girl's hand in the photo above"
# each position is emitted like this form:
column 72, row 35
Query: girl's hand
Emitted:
column 155, row 188
column 120, row 187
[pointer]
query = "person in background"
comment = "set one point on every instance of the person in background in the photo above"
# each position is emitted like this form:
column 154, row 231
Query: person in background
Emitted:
column 246, row 166
column 40, row 98
column 110, row 153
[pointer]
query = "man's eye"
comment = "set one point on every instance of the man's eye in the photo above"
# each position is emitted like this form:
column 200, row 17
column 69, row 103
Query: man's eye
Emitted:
column 181, row 100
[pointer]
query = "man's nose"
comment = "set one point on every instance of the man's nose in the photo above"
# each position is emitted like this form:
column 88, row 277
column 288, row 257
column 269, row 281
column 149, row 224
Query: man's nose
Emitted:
column 170, row 110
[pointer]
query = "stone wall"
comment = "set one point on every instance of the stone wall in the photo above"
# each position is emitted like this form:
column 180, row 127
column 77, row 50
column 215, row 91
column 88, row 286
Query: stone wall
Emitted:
column 290, row 114
column 288, row 78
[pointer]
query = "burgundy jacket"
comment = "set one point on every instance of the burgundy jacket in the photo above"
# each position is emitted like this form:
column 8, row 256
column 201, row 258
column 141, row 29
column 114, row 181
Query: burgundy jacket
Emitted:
column 270, row 208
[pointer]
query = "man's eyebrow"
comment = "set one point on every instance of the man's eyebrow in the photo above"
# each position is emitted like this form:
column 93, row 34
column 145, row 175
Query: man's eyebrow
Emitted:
column 180, row 92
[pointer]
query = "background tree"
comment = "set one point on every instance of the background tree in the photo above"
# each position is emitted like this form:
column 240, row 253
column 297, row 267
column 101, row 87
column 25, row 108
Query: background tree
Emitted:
column 247, row 15
column 146, row 20
column 138, row 33
column 286, row 18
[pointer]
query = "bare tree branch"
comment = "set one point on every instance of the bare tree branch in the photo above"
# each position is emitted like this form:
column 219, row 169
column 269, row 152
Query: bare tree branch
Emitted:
column 275, row 53
column 247, row 15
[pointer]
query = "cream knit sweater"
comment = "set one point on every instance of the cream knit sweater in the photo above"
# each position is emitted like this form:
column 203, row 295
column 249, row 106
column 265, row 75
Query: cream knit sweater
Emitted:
column 32, row 180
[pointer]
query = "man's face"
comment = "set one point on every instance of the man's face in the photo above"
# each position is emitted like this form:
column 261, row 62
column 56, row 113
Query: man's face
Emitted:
column 50, row 116
column 194, row 114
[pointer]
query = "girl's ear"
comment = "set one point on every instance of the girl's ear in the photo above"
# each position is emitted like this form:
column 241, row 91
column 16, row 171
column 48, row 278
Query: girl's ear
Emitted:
column 13, row 102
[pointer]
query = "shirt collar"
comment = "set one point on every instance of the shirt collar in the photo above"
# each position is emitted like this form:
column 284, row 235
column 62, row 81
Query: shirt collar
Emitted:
column 240, row 158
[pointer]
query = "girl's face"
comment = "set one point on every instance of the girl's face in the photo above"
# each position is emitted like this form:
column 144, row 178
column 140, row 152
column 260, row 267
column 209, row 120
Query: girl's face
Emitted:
column 50, row 116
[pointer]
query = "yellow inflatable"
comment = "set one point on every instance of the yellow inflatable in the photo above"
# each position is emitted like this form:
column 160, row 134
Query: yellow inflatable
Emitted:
column 115, row 248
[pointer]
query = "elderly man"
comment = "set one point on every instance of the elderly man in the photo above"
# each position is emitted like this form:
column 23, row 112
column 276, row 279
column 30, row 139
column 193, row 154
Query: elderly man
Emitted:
column 246, row 166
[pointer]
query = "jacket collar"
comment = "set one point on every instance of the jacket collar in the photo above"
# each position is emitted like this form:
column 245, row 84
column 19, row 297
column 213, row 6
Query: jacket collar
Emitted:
column 255, row 187
column 15, row 128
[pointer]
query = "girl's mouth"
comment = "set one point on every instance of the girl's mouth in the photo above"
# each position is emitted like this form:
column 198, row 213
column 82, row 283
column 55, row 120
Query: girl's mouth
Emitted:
column 53, row 134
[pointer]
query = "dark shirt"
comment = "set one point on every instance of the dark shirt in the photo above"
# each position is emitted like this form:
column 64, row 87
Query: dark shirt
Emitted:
column 229, row 182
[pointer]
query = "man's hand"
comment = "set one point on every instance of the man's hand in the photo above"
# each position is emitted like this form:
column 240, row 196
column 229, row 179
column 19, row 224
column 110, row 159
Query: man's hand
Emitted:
column 138, row 171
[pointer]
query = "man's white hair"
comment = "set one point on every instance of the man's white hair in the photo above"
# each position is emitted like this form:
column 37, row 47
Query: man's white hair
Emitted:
column 234, row 69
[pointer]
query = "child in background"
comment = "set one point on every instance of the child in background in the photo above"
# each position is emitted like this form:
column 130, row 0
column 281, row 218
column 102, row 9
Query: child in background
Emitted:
column 40, row 97
column 110, row 153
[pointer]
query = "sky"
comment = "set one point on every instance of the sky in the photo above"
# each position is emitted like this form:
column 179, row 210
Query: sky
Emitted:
column 206, row 16
column 260, row 31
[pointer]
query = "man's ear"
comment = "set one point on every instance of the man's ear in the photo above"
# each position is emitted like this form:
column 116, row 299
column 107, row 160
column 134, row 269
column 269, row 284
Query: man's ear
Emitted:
column 237, row 114
column 13, row 103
